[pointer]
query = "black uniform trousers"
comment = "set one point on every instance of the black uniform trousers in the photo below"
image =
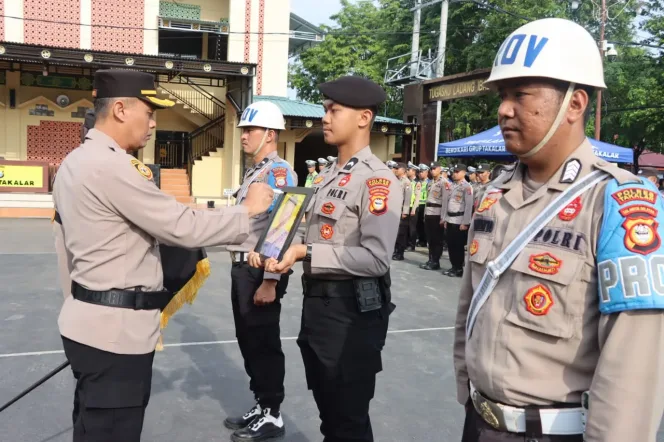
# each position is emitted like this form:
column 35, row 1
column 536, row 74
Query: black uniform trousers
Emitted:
column 436, row 235
column 412, row 229
column 341, row 350
column 258, row 334
column 402, row 235
column 456, row 243
column 421, row 233
column 112, row 393
column 475, row 429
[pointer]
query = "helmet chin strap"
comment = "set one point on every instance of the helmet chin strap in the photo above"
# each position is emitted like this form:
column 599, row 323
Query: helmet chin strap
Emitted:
column 555, row 125
column 260, row 146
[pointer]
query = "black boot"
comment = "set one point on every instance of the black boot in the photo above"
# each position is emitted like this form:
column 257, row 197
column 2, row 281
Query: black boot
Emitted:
column 269, row 426
column 236, row 423
column 432, row 266
column 426, row 265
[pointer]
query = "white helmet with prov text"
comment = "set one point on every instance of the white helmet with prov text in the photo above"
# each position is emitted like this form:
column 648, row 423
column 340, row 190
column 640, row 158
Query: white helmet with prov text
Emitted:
column 552, row 48
column 262, row 114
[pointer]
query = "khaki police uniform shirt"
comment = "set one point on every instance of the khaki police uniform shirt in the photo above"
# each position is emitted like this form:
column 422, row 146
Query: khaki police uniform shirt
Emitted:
column 353, row 219
column 113, row 216
column 435, row 195
column 277, row 173
column 540, row 354
column 458, row 200
column 407, row 191
column 478, row 192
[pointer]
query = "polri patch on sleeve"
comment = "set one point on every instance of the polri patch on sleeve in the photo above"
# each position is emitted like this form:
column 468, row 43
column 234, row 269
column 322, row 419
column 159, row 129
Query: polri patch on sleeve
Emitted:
column 630, row 259
column 280, row 176
column 379, row 189
column 142, row 169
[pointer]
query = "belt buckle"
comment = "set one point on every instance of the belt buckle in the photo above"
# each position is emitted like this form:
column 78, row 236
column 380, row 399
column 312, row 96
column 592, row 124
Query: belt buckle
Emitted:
column 489, row 411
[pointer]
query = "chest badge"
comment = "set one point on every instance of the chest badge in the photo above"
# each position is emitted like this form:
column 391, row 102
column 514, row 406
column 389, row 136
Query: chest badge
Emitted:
column 474, row 247
column 571, row 210
column 326, row 231
column 545, row 263
column 538, row 300
column 486, row 204
column 328, row 208
column 319, row 179
column 343, row 181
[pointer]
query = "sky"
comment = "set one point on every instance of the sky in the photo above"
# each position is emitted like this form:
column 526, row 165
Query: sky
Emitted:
column 316, row 12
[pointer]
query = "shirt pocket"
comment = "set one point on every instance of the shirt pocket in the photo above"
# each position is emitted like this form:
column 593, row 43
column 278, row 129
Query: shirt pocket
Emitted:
column 547, row 297
column 329, row 225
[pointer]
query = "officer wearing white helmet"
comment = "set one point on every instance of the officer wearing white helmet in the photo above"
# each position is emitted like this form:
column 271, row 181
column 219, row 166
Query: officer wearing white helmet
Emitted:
column 322, row 164
column 256, row 295
column 311, row 168
column 560, row 324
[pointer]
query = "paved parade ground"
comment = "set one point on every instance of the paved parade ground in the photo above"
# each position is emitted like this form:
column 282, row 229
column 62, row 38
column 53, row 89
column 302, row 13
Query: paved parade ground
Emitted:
column 199, row 379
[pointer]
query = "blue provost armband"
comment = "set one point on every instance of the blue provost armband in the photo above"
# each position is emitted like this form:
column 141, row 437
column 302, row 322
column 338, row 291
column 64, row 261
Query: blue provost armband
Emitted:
column 630, row 259
column 280, row 176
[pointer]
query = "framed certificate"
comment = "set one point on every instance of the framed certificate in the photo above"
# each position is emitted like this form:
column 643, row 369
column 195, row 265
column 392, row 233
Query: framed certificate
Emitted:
column 284, row 221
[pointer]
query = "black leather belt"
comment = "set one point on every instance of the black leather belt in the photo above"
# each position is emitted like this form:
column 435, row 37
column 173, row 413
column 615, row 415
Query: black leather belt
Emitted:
column 455, row 213
column 434, row 205
column 123, row 298
column 326, row 288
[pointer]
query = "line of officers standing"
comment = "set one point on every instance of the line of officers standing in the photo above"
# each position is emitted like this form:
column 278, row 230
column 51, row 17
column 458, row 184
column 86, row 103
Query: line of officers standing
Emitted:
column 438, row 205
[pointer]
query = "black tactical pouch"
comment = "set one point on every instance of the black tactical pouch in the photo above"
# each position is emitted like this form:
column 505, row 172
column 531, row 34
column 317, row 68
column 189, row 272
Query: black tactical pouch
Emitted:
column 368, row 295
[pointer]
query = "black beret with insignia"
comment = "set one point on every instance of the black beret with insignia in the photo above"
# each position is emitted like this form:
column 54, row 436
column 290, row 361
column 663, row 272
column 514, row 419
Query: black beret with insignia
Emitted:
column 458, row 167
column 483, row 167
column 121, row 83
column 354, row 92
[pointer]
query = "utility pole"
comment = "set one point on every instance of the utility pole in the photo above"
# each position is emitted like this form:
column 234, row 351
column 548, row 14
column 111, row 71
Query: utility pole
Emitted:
column 598, row 111
column 415, row 49
column 440, row 69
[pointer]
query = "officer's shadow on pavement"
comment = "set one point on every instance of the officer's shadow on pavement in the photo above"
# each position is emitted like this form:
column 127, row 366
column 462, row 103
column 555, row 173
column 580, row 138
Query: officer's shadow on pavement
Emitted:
column 215, row 374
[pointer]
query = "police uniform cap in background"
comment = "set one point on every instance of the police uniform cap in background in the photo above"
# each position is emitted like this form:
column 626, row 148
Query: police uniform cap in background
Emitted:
column 647, row 172
column 412, row 166
column 354, row 92
column 483, row 167
column 423, row 167
column 445, row 169
column 391, row 164
column 471, row 169
column 322, row 161
column 458, row 167
column 331, row 159
column 121, row 83
column 434, row 165
column 311, row 163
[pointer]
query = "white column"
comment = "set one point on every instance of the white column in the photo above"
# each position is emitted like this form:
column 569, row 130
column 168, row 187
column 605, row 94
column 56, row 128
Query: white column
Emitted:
column 151, row 21
column 14, row 26
column 86, row 20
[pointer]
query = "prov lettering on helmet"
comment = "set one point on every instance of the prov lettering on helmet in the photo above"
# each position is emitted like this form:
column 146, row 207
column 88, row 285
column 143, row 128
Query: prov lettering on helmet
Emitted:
column 509, row 50
column 630, row 259
column 249, row 114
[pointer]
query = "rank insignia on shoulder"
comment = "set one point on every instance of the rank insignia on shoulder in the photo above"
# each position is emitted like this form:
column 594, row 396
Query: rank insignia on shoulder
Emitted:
column 142, row 169
column 571, row 171
column 343, row 181
column 350, row 164
column 474, row 247
column 571, row 210
column 545, row 263
column 280, row 176
column 538, row 300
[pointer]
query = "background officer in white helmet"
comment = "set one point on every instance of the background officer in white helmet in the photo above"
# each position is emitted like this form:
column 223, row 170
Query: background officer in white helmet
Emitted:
column 311, row 168
column 322, row 164
column 255, row 294
column 571, row 314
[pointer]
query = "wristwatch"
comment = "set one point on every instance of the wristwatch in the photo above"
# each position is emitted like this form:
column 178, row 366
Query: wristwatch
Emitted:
column 307, row 257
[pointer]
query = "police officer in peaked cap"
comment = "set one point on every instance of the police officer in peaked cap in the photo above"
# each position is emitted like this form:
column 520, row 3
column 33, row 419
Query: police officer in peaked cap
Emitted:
column 423, row 177
column 416, row 194
column 563, row 338
column 322, row 164
column 346, row 251
column 110, row 217
column 312, row 174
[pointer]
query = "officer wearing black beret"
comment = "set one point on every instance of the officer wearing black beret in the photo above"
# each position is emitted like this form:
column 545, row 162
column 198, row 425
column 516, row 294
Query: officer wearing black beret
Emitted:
column 347, row 249
column 111, row 226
